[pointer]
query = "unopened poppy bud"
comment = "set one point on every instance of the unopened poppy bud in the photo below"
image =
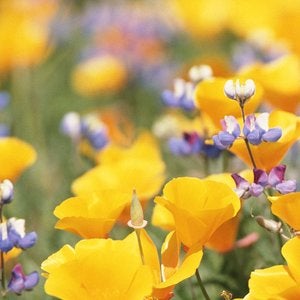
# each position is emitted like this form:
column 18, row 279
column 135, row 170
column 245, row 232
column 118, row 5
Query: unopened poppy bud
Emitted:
column 199, row 73
column 136, row 213
column 268, row 224
column 6, row 191
column 239, row 92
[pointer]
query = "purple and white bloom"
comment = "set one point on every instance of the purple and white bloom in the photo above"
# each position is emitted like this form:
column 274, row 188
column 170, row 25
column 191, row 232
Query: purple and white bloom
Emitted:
column 239, row 92
column 245, row 189
column 6, row 191
column 181, row 97
column 94, row 131
column 12, row 234
column 276, row 180
column 256, row 129
column 199, row 73
column 231, row 131
column 20, row 282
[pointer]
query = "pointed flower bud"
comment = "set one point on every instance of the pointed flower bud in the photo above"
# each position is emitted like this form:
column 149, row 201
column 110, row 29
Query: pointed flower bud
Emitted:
column 136, row 213
column 269, row 224
column 6, row 191
column 240, row 92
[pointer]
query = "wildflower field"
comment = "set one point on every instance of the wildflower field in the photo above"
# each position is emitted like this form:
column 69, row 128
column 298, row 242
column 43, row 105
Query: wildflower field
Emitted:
column 149, row 149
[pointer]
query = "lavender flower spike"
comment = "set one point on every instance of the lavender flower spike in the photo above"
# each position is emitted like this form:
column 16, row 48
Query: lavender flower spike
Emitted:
column 231, row 131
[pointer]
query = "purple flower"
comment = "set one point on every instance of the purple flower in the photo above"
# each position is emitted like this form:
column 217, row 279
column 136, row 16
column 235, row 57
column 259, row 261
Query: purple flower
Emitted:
column 189, row 143
column 20, row 282
column 12, row 234
column 4, row 99
column 256, row 129
column 231, row 131
column 276, row 180
column 181, row 97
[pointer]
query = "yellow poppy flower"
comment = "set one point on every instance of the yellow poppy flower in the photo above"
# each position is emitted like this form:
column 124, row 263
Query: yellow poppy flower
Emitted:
column 278, row 282
column 286, row 207
column 93, row 216
column 99, row 75
column 138, row 167
column 24, row 32
column 210, row 98
column 99, row 269
column 15, row 157
column 196, row 212
column 280, row 80
column 290, row 126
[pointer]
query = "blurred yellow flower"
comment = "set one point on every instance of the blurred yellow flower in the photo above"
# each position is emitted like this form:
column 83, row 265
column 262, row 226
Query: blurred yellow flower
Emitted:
column 280, row 80
column 211, row 100
column 286, row 207
column 201, row 18
column 24, row 32
column 196, row 212
column 289, row 123
column 138, row 167
column 278, row 282
column 93, row 216
column 99, row 75
column 15, row 157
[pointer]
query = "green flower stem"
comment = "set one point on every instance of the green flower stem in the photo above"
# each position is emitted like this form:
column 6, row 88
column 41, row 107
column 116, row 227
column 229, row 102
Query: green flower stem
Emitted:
column 246, row 141
column 138, row 235
column 201, row 285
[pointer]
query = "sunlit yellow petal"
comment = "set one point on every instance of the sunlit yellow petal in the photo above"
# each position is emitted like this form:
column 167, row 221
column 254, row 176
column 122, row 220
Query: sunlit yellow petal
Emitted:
column 286, row 207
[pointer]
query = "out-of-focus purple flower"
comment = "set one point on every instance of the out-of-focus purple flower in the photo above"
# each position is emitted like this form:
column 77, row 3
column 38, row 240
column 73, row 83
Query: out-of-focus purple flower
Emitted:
column 12, row 234
column 276, row 180
column 4, row 99
column 4, row 130
column 20, row 282
column 256, row 129
column 231, row 131
column 181, row 97
column 192, row 143
column 6, row 191
column 88, row 127
column 189, row 143
column 94, row 131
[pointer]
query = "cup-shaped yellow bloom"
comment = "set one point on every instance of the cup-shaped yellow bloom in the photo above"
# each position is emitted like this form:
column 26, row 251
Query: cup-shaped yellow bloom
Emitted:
column 262, row 153
column 278, row 282
column 93, row 216
column 199, row 207
column 138, row 167
column 287, row 208
column 280, row 80
column 211, row 99
column 15, row 157
column 98, row 269
column 99, row 75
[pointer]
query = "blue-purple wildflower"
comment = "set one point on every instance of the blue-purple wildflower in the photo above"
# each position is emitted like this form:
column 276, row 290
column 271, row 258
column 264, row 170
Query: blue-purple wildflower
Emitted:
column 12, row 234
column 20, row 282
column 262, row 180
